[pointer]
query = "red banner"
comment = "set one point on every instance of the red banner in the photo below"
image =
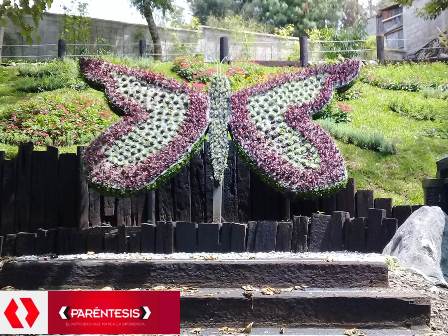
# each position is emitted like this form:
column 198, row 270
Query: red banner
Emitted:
column 113, row 312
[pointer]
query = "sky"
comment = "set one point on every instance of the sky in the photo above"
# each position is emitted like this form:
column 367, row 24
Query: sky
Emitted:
column 120, row 10
column 116, row 10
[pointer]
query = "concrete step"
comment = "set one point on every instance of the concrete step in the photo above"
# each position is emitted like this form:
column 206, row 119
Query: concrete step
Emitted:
column 332, row 308
column 306, row 332
column 119, row 273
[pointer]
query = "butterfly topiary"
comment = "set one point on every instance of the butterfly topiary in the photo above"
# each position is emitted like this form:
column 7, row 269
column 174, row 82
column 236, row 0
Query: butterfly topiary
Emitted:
column 164, row 121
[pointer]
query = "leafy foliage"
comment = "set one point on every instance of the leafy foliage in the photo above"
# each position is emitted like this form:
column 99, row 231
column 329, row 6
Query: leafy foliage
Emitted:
column 408, row 76
column 419, row 108
column 431, row 9
column 49, row 76
column 337, row 112
column 347, row 41
column 16, row 11
column 76, row 27
column 58, row 118
column 367, row 140
column 302, row 14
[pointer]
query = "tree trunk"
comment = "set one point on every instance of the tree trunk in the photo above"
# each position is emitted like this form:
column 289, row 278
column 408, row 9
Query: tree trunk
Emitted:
column 157, row 46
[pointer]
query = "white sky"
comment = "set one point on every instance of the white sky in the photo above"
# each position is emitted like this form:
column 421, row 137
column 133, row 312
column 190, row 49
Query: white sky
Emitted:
column 116, row 10
column 121, row 10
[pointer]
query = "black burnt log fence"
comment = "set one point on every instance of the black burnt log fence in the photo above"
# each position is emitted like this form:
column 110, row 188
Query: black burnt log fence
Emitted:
column 47, row 207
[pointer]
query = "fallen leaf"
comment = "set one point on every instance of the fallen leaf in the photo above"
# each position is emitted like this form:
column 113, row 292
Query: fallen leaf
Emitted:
column 247, row 329
column 228, row 330
column 196, row 331
column 209, row 257
column 354, row 332
column 159, row 288
column 270, row 291
column 8, row 288
column 249, row 288
column 248, row 295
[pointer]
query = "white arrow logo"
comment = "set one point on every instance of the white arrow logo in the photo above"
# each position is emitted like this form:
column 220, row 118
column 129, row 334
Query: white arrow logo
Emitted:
column 146, row 313
column 62, row 313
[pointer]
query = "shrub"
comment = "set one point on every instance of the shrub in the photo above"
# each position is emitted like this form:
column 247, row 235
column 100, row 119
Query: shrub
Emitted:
column 193, row 69
column 49, row 76
column 59, row 118
column 336, row 112
column 419, row 108
column 407, row 76
column 441, row 92
column 358, row 137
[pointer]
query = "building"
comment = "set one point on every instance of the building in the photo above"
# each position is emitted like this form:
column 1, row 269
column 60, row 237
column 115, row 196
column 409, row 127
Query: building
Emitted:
column 408, row 35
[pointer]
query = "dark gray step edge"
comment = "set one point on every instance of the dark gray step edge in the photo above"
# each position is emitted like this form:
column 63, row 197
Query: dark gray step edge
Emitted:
column 348, row 308
column 128, row 274
column 309, row 331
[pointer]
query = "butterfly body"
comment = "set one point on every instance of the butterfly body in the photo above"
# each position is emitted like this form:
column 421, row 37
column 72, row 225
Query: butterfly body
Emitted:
column 164, row 121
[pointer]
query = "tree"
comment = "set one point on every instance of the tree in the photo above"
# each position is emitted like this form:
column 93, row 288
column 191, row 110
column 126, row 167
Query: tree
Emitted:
column 147, row 8
column 353, row 13
column 203, row 9
column 431, row 9
column 303, row 14
column 17, row 12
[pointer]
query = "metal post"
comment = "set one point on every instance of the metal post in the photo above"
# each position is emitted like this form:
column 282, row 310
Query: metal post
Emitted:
column 2, row 32
column 217, row 202
column 224, row 49
column 61, row 48
column 380, row 48
column 142, row 48
column 303, row 40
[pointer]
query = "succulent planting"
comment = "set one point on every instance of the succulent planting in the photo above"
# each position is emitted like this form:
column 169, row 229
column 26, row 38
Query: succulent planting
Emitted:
column 163, row 121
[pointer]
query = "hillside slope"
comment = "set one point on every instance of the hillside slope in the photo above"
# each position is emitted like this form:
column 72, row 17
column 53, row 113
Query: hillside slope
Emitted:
column 406, row 105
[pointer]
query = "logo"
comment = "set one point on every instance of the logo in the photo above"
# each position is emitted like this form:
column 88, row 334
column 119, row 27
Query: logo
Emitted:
column 23, row 312
column 89, row 312
column 11, row 313
column 66, row 313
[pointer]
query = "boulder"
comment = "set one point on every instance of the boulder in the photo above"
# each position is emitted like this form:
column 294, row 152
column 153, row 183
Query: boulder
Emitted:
column 421, row 243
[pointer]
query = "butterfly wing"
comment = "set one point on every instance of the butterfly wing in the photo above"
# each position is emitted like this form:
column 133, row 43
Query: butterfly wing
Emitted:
column 163, row 121
column 271, row 124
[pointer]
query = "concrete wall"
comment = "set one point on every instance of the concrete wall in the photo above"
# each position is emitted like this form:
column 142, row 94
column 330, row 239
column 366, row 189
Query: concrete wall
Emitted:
column 417, row 31
column 122, row 39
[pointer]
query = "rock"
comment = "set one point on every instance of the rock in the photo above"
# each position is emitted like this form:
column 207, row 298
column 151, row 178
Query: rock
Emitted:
column 421, row 243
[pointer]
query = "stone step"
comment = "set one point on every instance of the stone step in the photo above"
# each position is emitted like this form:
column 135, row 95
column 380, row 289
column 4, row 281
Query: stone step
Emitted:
column 119, row 273
column 332, row 308
column 306, row 332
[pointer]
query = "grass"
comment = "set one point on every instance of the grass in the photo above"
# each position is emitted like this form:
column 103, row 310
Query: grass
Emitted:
column 418, row 142
column 372, row 140
column 411, row 76
column 398, row 176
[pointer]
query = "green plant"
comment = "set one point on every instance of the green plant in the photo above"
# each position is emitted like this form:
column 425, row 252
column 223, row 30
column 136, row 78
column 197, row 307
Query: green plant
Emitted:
column 361, row 138
column 295, row 53
column 59, row 118
column 76, row 30
column 419, row 108
column 407, row 76
column 440, row 92
column 49, row 76
column 335, row 111
column 285, row 31
column 331, row 43
column 193, row 69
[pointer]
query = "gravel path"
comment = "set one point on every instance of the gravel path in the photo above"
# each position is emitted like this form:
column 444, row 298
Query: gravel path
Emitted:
column 407, row 281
